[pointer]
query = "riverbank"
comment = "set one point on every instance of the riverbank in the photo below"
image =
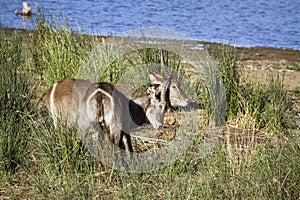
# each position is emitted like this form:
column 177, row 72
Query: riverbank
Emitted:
column 248, row 53
column 290, row 56
column 255, row 155
column 257, row 61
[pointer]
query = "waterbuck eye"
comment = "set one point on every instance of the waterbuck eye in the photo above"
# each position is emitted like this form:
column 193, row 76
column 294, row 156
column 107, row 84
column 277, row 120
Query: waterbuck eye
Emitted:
column 160, row 106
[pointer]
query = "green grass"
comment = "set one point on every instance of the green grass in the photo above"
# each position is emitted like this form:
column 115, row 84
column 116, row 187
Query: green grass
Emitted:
column 15, row 96
column 40, row 162
column 251, row 103
column 297, row 90
column 56, row 51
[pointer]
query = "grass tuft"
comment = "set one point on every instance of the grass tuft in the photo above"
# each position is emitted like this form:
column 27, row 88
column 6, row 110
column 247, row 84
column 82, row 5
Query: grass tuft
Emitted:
column 251, row 103
column 15, row 97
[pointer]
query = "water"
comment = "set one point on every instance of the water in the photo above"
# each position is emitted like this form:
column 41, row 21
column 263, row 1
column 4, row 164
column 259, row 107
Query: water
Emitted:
column 273, row 23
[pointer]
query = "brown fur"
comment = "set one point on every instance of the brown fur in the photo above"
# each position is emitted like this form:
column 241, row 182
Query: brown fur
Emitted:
column 84, row 102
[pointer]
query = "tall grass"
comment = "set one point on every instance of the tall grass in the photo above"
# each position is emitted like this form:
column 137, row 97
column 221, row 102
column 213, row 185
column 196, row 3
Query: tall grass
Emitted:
column 15, row 97
column 270, row 105
column 57, row 51
column 44, row 162
column 252, row 104
column 230, row 70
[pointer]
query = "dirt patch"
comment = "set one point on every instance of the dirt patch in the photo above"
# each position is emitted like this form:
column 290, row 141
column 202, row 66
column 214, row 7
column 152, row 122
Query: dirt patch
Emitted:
column 261, row 62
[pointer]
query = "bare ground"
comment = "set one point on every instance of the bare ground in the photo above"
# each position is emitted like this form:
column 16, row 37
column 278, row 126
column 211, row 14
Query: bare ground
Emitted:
column 260, row 61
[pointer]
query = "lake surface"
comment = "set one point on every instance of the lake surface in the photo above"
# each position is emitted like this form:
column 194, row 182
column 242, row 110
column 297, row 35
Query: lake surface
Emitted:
column 273, row 23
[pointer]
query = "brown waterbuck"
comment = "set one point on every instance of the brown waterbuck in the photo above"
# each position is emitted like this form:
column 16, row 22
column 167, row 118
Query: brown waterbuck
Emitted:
column 84, row 102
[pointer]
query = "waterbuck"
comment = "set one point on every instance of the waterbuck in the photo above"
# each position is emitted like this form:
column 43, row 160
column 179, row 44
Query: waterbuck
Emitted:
column 174, row 94
column 84, row 102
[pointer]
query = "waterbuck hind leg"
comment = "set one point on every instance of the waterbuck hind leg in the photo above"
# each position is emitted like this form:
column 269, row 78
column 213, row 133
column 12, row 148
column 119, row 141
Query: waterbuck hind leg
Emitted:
column 115, row 115
column 126, row 140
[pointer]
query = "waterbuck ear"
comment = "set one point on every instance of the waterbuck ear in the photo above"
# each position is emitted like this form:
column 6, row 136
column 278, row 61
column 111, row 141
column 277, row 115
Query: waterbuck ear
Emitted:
column 156, row 78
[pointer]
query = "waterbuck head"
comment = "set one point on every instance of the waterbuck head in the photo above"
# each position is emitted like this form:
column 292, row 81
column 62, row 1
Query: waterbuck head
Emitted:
column 175, row 96
column 155, row 111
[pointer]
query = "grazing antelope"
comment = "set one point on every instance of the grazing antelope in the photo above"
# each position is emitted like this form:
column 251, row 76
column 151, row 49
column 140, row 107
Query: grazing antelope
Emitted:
column 84, row 102
column 142, row 106
column 175, row 97
column 174, row 94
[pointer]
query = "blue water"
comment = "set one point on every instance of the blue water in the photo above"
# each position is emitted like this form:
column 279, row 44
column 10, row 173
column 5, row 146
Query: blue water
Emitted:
column 273, row 23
